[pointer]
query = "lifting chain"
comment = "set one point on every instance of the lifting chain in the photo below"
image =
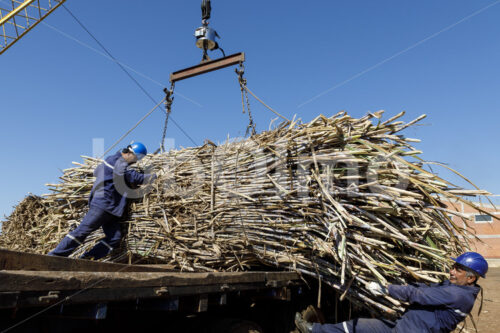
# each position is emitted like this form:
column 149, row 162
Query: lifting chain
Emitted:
column 169, row 98
column 244, row 97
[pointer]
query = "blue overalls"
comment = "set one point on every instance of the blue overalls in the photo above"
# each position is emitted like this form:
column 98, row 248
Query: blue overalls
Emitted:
column 107, row 203
column 437, row 308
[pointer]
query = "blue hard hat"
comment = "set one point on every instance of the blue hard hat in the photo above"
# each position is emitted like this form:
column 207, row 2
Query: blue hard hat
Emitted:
column 474, row 261
column 138, row 149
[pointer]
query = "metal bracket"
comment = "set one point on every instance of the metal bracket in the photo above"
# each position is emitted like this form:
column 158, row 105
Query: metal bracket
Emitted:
column 162, row 291
column 101, row 311
column 272, row 283
column 203, row 304
column 51, row 296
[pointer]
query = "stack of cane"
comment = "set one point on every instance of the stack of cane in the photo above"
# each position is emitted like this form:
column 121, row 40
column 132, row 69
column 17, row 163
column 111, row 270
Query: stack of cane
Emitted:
column 340, row 199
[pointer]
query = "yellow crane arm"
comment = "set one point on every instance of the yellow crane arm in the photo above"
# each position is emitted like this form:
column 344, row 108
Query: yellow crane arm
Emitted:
column 15, row 22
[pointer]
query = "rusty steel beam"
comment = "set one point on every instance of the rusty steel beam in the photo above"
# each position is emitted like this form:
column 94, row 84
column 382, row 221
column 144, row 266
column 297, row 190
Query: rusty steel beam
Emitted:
column 207, row 66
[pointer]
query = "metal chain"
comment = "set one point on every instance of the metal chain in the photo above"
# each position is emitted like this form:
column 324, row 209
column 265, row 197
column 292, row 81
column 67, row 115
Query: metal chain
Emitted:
column 169, row 98
column 244, row 96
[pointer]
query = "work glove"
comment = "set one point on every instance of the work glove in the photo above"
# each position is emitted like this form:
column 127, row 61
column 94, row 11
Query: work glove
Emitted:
column 150, row 178
column 303, row 325
column 376, row 288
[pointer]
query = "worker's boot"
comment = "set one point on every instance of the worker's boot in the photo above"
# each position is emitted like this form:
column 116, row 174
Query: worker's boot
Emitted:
column 302, row 325
column 100, row 250
column 65, row 247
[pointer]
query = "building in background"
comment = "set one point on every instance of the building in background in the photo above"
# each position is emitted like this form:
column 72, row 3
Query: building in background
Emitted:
column 487, row 227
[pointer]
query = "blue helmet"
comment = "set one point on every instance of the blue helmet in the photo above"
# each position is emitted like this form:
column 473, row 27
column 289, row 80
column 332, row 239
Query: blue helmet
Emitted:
column 138, row 149
column 474, row 261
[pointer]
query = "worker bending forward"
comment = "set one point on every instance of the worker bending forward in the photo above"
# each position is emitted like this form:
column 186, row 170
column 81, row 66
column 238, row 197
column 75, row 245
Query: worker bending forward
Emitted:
column 435, row 308
column 107, row 203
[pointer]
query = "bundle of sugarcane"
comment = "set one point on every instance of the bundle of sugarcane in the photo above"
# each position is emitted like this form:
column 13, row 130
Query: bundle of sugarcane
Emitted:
column 341, row 199
column 20, row 231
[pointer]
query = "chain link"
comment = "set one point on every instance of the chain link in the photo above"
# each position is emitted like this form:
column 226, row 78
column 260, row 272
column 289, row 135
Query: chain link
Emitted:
column 169, row 98
column 244, row 97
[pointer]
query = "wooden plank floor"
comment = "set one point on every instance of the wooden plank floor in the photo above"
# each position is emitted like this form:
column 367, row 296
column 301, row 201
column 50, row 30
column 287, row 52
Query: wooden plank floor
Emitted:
column 13, row 260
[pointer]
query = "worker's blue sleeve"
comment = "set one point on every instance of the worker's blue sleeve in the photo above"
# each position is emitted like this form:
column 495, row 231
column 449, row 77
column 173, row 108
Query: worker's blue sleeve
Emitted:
column 132, row 177
column 424, row 295
column 436, row 308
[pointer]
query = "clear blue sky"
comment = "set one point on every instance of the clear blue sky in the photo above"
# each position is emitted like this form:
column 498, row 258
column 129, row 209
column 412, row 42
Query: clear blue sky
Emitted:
column 57, row 95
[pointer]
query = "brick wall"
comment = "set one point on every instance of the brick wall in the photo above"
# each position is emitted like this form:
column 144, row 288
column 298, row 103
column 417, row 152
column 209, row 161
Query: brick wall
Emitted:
column 487, row 231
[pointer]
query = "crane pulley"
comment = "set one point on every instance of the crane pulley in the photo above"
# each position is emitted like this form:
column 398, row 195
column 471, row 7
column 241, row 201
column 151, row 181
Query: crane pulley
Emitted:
column 205, row 36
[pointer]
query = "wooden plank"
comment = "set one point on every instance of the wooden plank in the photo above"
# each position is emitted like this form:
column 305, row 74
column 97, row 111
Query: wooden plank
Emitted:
column 13, row 260
column 32, row 298
column 29, row 299
column 207, row 66
column 48, row 280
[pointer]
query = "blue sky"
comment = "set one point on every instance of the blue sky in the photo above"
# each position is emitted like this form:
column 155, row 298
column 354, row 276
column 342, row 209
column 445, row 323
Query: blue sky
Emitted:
column 57, row 94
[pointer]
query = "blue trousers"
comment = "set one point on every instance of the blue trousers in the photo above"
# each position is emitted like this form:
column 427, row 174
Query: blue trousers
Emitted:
column 95, row 218
column 359, row 325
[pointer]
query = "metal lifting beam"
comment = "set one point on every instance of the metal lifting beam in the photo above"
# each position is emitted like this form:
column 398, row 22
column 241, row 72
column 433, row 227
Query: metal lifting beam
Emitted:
column 207, row 66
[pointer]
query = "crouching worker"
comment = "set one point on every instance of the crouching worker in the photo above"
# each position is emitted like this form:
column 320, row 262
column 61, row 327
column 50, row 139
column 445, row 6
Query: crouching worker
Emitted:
column 435, row 308
column 107, row 203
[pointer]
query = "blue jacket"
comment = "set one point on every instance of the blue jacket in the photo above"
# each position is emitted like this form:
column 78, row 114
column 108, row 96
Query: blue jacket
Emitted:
column 435, row 308
column 114, row 182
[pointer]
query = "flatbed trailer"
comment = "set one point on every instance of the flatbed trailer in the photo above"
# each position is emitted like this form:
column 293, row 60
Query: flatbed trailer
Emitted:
column 60, row 289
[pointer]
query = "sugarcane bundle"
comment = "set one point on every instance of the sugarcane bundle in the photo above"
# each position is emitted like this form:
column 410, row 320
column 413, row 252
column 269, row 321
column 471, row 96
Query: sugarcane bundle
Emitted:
column 341, row 199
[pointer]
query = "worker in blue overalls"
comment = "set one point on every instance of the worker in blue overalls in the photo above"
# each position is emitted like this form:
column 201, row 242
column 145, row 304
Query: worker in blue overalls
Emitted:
column 114, row 184
column 435, row 308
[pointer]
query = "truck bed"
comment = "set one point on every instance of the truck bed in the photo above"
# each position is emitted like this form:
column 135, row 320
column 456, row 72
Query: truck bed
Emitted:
column 28, row 280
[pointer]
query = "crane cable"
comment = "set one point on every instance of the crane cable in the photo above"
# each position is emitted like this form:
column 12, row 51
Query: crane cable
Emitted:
column 244, row 87
column 169, row 98
column 133, row 127
column 124, row 70
column 121, row 138
column 245, row 103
